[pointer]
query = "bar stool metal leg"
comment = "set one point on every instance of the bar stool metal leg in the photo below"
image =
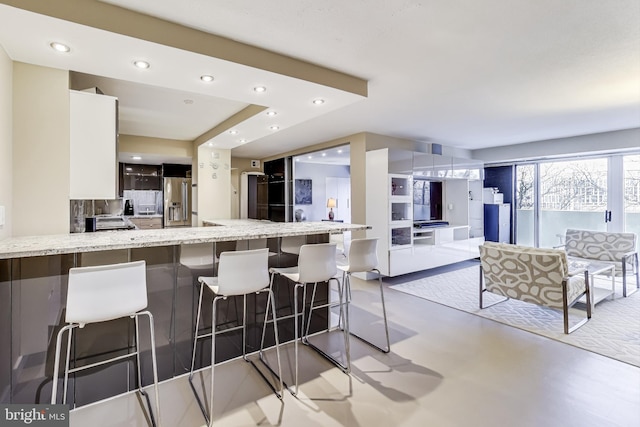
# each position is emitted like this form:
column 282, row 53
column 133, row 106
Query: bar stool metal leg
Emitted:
column 87, row 290
column 270, row 304
column 154, row 362
column 347, row 279
column 240, row 273
column 363, row 258
column 346, row 367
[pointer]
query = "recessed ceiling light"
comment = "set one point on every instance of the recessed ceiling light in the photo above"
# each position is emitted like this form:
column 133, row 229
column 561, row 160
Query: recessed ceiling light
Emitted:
column 242, row 141
column 274, row 127
column 206, row 78
column 60, row 47
column 318, row 101
column 141, row 64
column 210, row 144
column 271, row 113
column 339, row 151
column 188, row 101
column 309, row 157
column 136, row 157
column 233, row 132
column 324, row 154
column 260, row 89
column 297, row 159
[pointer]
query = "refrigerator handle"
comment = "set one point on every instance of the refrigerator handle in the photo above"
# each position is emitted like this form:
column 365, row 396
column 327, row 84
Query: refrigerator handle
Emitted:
column 184, row 200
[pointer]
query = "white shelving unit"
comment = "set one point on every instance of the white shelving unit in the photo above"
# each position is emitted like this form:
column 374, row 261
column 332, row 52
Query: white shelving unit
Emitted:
column 403, row 248
column 400, row 211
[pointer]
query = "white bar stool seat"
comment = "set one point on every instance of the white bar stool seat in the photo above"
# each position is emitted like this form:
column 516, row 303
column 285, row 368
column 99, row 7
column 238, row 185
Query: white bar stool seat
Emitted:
column 99, row 294
column 363, row 258
column 292, row 244
column 197, row 256
column 316, row 263
column 239, row 273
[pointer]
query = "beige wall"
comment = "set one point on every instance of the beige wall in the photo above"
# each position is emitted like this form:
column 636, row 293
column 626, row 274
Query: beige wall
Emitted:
column 213, row 193
column 40, row 150
column 358, row 170
column 6, row 144
column 155, row 146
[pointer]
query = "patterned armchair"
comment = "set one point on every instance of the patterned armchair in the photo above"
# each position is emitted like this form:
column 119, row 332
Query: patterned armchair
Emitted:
column 618, row 249
column 538, row 276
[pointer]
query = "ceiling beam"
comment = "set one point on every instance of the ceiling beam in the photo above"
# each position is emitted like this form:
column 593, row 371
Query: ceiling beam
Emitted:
column 126, row 22
column 239, row 117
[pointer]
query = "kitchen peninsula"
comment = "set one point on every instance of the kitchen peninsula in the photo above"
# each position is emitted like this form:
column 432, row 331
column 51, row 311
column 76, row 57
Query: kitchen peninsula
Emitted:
column 33, row 281
column 232, row 230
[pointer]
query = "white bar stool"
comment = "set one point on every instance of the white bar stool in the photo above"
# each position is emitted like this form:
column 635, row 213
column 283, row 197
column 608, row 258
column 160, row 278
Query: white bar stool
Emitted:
column 363, row 258
column 316, row 263
column 98, row 294
column 239, row 273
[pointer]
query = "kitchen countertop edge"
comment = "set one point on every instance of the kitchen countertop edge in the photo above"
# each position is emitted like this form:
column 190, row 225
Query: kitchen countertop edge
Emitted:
column 30, row 246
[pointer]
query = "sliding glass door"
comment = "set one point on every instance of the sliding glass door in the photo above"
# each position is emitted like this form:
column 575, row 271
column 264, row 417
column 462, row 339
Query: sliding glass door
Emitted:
column 573, row 194
column 600, row 193
column 525, row 202
column 631, row 167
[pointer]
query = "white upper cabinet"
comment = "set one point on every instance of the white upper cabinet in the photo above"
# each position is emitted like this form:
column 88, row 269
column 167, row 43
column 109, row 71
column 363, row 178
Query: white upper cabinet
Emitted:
column 93, row 151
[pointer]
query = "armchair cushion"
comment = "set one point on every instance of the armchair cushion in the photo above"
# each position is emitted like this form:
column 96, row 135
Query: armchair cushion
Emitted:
column 529, row 274
column 615, row 248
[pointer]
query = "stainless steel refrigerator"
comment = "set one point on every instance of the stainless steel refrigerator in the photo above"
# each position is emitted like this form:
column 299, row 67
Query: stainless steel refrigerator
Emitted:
column 177, row 202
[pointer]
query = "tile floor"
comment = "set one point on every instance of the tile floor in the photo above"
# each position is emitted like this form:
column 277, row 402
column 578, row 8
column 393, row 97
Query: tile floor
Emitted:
column 446, row 368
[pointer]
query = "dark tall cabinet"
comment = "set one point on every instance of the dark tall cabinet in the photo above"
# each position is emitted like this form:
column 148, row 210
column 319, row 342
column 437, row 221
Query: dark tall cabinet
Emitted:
column 497, row 222
column 279, row 194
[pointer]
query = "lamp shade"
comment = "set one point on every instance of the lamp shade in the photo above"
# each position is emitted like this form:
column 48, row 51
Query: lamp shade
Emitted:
column 331, row 203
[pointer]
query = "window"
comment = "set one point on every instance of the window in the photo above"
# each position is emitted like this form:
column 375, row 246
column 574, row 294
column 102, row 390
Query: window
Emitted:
column 599, row 193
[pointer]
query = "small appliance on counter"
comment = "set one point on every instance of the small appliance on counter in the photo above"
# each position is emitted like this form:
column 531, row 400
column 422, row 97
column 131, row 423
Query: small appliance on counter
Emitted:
column 107, row 222
column 128, row 207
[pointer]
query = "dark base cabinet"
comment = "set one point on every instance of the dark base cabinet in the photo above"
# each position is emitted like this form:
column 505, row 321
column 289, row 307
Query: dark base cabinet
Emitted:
column 32, row 311
column 497, row 223
column 5, row 331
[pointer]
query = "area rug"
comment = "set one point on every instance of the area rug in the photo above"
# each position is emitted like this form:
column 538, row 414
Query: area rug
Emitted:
column 613, row 331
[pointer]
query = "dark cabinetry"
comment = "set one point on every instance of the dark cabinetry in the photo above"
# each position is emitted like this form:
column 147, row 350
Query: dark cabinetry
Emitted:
column 259, row 210
column 497, row 223
column 279, row 189
column 140, row 177
column 171, row 170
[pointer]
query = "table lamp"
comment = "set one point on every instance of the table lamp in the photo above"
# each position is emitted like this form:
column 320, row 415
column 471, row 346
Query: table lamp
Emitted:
column 331, row 203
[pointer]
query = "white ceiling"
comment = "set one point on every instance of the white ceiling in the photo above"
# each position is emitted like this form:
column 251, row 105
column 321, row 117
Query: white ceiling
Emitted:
column 465, row 74
column 335, row 156
column 158, row 112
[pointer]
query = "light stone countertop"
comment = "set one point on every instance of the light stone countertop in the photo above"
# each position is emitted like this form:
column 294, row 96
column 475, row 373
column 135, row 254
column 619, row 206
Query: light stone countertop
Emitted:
column 237, row 222
column 28, row 246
